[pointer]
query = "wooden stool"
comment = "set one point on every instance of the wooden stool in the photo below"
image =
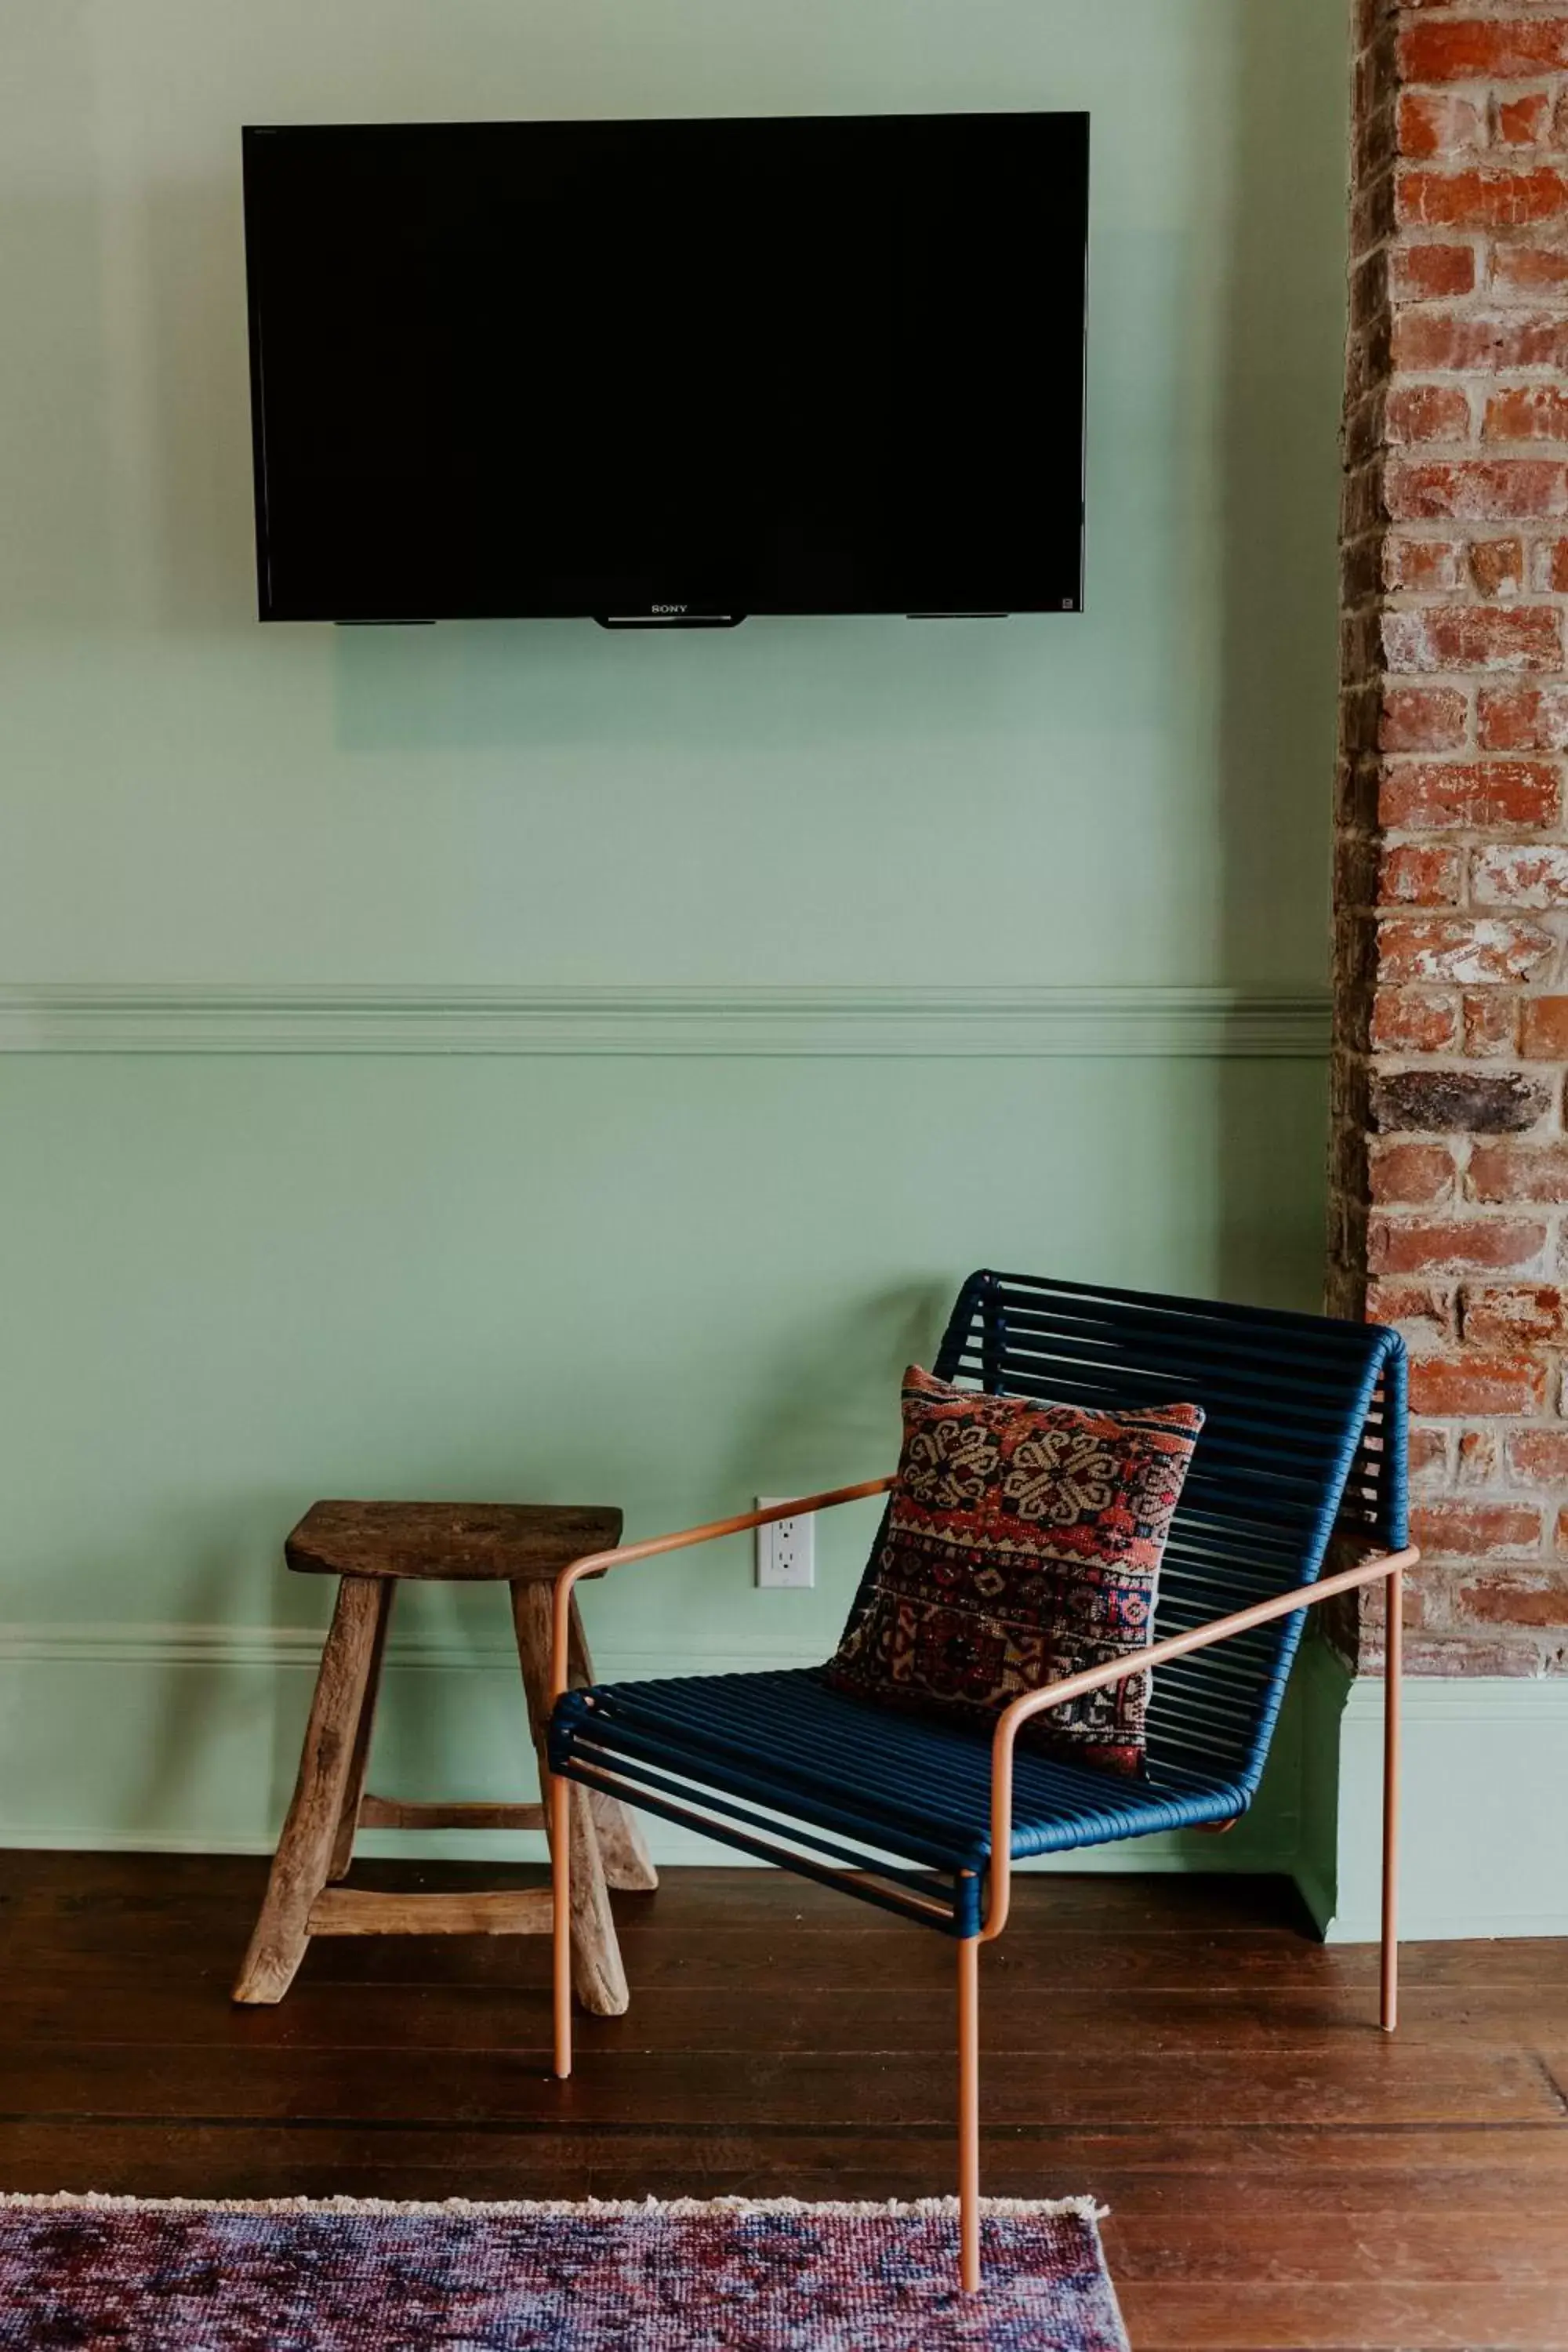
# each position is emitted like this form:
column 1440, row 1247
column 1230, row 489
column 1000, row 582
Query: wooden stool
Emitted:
column 370, row 1548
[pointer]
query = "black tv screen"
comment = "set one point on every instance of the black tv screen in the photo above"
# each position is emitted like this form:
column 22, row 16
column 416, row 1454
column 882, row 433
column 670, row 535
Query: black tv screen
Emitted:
column 668, row 372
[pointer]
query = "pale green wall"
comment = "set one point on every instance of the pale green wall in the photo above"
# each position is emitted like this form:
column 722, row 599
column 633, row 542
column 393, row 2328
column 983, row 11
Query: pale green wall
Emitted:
column 229, row 1283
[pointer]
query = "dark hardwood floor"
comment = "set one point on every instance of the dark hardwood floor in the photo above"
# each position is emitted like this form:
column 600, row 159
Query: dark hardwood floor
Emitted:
column 1280, row 2174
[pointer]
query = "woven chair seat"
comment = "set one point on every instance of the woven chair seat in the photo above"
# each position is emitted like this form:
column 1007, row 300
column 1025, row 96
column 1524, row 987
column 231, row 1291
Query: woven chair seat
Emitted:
column 787, row 1747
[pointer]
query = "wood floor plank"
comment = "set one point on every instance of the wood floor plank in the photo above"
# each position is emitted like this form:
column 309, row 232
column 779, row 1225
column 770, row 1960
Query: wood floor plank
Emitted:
column 1362, row 2317
column 1276, row 2244
column 663, row 1950
column 1398, row 2085
column 1015, row 2019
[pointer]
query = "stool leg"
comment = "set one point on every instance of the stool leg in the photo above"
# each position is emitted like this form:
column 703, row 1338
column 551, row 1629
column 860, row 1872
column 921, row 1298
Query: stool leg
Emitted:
column 304, row 1853
column 621, row 1849
column 596, row 1969
column 359, row 1763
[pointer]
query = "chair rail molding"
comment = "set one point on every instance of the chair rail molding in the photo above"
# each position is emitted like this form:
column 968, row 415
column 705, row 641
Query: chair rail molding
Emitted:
column 92, row 1017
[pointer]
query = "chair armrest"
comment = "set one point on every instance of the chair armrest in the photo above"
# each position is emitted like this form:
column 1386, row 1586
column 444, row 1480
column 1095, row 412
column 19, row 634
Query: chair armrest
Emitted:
column 594, row 1563
column 1177, row 1645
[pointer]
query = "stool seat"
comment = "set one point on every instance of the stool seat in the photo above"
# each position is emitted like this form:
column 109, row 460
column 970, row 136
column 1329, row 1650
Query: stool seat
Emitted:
column 442, row 1543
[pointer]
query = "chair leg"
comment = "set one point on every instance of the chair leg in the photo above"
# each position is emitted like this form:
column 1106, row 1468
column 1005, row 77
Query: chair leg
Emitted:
column 600, row 1979
column 304, row 1853
column 561, row 1921
column 628, row 1864
column 359, row 1763
column 969, row 2114
column 1393, row 1672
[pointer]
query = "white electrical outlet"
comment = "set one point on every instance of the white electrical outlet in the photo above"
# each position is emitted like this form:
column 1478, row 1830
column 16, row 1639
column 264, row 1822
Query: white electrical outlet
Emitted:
column 785, row 1550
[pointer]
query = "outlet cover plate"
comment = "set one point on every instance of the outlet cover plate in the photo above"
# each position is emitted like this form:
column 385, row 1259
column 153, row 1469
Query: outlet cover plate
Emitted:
column 786, row 1551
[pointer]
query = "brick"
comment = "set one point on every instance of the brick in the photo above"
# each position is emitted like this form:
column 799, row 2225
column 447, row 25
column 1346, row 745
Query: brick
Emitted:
column 1423, row 718
column 1543, row 1028
column 1460, row 636
column 1513, row 1315
column 1523, row 719
column 1415, row 1175
column 1427, row 1455
column 1524, row 411
column 1478, row 1530
column 1369, row 295
column 1365, row 436
column 1478, row 48
column 1372, row 215
column 1463, row 948
column 1426, row 566
column 1428, row 412
column 1355, row 794
column 1442, row 341
column 1424, row 1316
column 1509, row 1174
column 1437, row 122
column 1537, row 1457
column 1456, row 1102
column 1412, row 1021
column 1451, row 1244
column 1490, row 1021
column 1453, row 1388
column 1524, row 121
column 1487, row 196
column 1530, row 268
column 1362, row 571
column 1481, row 1457
column 1476, row 794
column 1510, row 1598
column 1361, row 640
column 1417, row 874
column 1355, row 870
column 1549, row 565
column 1477, row 489
column 1511, row 874
column 1431, row 273
column 1497, row 566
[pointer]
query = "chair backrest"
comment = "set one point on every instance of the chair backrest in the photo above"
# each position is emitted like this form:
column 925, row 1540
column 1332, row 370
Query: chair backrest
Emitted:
column 1304, row 1437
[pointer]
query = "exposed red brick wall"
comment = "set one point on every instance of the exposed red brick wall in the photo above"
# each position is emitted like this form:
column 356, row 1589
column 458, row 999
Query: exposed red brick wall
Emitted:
column 1450, row 1169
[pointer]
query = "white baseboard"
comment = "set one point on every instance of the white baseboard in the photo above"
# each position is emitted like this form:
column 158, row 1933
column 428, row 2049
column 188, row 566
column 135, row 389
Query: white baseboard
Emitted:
column 1484, row 1808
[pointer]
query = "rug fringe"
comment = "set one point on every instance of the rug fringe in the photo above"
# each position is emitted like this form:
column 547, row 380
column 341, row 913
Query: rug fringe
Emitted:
column 1083, row 2209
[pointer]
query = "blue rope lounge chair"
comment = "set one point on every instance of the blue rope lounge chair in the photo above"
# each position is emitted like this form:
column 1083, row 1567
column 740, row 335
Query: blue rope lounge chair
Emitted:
column 1303, row 1441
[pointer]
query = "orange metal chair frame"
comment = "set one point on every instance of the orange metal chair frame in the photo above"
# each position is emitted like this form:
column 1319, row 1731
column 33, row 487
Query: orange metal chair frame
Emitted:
column 1387, row 1566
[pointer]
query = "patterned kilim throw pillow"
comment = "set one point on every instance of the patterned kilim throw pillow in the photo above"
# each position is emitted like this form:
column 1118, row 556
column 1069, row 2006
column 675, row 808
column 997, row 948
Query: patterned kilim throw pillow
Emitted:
column 1022, row 1543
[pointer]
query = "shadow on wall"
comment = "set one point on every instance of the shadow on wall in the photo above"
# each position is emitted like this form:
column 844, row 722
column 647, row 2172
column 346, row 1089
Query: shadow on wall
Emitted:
column 1283, row 341
column 196, row 365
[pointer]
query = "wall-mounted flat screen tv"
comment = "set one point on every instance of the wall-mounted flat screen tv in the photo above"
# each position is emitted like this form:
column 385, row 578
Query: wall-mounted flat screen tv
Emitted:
column 668, row 373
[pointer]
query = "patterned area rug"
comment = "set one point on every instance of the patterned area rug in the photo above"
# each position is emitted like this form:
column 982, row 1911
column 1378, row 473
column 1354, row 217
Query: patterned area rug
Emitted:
column 95, row 2273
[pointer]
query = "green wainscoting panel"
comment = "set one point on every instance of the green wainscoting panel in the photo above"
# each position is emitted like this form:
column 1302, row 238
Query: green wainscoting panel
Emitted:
column 674, row 1283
